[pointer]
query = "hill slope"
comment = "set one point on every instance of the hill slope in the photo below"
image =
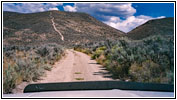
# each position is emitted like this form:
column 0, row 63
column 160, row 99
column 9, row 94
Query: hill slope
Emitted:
column 38, row 28
column 163, row 26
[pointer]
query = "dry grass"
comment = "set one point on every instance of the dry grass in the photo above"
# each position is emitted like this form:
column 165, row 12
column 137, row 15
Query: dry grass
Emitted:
column 77, row 73
column 79, row 78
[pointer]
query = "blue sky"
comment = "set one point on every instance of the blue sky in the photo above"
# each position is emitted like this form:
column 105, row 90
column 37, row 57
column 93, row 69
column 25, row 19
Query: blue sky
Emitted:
column 122, row 16
column 154, row 9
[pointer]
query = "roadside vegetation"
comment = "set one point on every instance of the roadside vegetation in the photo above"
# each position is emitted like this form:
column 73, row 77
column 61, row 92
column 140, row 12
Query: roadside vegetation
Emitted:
column 150, row 60
column 27, row 63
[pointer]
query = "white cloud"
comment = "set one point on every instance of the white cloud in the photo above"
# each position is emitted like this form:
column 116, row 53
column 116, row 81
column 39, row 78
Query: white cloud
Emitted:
column 113, row 14
column 129, row 23
column 30, row 7
column 53, row 9
column 70, row 8
column 56, row 4
column 109, row 12
column 161, row 17
column 106, row 9
column 114, row 19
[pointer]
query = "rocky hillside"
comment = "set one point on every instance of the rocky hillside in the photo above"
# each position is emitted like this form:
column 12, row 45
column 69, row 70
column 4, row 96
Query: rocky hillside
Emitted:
column 37, row 28
column 164, row 26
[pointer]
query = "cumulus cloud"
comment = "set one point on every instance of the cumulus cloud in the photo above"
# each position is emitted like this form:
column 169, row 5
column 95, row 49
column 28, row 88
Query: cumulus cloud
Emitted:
column 111, row 14
column 70, row 8
column 55, row 4
column 118, row 15
column 53, row 9
column 30, row 7
column 161, row 17
column 102, row 10
column 129, row 23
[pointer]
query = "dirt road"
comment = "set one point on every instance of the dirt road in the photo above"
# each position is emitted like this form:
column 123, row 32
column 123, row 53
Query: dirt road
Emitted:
column 75, row 66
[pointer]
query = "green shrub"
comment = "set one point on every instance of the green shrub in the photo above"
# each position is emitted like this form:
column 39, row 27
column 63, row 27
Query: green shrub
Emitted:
column 27, row 63
column 29, row 69
column 147, row 60
column 43, row 51
column 98, row 52
column 9, row 79
column 47, row 67
column 147, row 72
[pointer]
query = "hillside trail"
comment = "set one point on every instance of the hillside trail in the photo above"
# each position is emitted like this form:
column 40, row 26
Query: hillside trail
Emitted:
column 53, row 24
column 75, row 66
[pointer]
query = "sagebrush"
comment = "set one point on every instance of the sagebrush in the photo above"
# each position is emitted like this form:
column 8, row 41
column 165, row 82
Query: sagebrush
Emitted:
column 27, row 63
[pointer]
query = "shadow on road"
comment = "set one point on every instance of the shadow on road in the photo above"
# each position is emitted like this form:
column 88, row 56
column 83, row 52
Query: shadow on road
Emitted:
column 94, row 63
column 103, row 71
column 104, row 74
